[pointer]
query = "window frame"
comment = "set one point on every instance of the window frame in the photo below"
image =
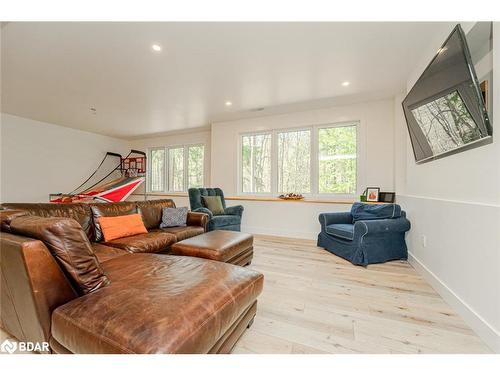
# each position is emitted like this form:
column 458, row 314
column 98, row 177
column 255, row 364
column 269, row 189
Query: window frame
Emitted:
column 184, row 169
column 356, row 124
column 314, row 159
column 185, row 177
column 240, row 164
column 150, row 169
column 310, row 129
column 186, row 164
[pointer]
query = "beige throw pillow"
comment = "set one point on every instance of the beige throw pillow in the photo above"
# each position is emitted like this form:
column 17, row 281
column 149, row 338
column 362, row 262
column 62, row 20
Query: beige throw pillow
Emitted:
column 214, row 204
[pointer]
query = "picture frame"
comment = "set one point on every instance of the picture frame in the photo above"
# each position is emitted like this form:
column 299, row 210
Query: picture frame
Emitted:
column 387, row 196
column 372, row 194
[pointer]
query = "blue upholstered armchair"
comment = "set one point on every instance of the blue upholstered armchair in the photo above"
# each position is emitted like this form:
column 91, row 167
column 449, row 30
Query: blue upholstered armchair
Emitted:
column 230, row 220
column 370, row 233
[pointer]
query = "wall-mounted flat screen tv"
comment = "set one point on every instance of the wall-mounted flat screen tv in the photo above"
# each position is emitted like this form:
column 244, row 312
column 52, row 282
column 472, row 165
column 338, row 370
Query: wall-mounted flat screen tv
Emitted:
column 445, row 110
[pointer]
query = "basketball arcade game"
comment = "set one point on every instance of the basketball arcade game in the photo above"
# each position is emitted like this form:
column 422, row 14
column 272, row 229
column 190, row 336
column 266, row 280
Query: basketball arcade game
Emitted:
column 113, row 181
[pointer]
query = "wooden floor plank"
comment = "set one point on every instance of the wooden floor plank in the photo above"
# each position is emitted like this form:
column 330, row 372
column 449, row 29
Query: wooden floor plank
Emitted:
column 315, row 302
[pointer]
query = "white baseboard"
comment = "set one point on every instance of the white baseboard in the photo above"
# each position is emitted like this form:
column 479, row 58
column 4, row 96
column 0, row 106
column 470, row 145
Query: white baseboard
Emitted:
column 484, row 330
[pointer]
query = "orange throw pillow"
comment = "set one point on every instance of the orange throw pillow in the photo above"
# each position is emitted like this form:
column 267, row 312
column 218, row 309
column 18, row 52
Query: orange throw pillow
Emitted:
column 114, row 227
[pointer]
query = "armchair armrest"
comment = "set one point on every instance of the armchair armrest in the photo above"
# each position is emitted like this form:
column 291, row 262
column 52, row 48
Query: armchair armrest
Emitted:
column 364, row 227
column 326, row 219
column 197, row 219
column 234, row 210
column 204, row 211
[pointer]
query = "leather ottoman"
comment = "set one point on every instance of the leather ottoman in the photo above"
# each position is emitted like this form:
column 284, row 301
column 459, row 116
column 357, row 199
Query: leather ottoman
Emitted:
column 221, row 245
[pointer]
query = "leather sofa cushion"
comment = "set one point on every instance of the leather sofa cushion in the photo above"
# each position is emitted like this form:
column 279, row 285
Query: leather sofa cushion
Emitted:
column 157, row 304
column 220, row 245
column 152, row 242
column 68, row 243
column 344, row 231
column 151, row 211
column 6, row 217
column 78, row 211
column 105, row 253
column 182, row 233
column 105, row 209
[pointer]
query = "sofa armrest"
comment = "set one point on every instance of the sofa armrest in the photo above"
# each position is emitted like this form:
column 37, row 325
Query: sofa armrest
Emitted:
column 367, row 227
column 204, row 211
column 234, row 210
column 197, row 219
column 326, row 219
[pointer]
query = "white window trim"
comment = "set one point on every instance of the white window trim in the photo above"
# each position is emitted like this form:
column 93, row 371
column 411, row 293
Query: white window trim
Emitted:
column 358, row 158
column 311, row 161
column 314, row 159
column 240, row 164
column 184, row 170
column 185, row 147
column 150, row 168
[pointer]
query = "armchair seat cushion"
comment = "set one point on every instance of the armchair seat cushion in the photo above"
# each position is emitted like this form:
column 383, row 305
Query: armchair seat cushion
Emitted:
column 152, row 242
column 225, row 220
column 184, row 305
column 344, row 231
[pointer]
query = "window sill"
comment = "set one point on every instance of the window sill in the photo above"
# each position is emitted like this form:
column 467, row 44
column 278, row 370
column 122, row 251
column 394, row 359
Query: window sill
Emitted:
column 262, row 199
column 305, row 200
column 166, row 194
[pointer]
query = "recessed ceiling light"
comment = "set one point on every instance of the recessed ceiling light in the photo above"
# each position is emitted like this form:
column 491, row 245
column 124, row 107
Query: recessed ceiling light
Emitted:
column 346, row 83
column 156, row 47
column 228, row 103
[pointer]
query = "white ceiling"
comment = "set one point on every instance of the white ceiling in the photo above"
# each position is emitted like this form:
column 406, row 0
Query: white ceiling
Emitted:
column 55, row 72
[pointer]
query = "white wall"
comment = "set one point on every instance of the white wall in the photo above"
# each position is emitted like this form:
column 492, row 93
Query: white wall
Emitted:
column 376, row 157
column 38, row 158
column 455, row 203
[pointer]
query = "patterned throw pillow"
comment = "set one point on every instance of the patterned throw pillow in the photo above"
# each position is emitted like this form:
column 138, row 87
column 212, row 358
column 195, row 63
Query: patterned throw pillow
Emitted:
column 174, row 217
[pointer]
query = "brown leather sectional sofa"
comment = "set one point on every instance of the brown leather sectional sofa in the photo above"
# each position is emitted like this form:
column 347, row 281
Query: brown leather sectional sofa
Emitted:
column 123, row 296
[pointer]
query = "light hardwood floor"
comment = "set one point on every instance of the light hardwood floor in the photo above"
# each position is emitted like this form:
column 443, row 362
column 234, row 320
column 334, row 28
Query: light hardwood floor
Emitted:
column 316, row 302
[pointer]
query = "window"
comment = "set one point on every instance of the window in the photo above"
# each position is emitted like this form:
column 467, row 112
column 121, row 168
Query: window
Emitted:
column 195, row 166
column 256, row 163
column 157, row 171
column 294, row 161
column 321, row 159
column 177, row 168
column 337, row 160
